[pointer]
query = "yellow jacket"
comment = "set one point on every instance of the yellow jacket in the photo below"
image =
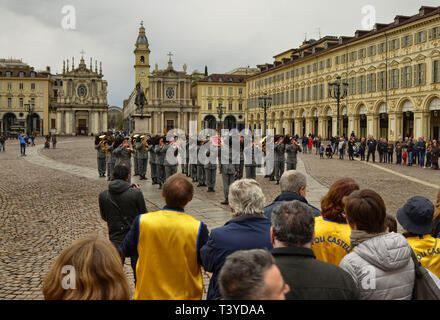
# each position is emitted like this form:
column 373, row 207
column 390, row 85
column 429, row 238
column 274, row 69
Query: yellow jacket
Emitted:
column 332, row 240
column 424, row 248
column 168, row 268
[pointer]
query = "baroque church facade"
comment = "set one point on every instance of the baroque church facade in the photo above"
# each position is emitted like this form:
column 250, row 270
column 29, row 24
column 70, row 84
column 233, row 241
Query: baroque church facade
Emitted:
column 78, row 100
column 168, row 93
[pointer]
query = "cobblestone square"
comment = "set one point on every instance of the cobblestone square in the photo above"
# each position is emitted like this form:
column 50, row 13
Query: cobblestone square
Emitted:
column 49, row 198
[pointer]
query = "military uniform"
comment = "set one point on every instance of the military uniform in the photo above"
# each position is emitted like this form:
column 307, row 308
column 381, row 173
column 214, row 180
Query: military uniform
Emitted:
column 187, row 166
column 292, row 160
column 270, row 169
column 153, row 165
column 230, row 164
column 110, row 162
column 170, row 160
column 241, row 166
column 184, row 157
column 124, row 156
column 280, row 161
column 160, row 158
column 101, row 157
column 142, row 154
column 211, row 167
column 135, row 143
column 250, row 162
column 193, row 160
column 200, row 170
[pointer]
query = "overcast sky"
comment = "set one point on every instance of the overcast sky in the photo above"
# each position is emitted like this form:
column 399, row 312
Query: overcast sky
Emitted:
column 222, row 34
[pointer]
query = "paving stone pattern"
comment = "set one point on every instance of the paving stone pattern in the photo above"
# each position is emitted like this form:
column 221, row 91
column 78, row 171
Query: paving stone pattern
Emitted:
column 49, row 198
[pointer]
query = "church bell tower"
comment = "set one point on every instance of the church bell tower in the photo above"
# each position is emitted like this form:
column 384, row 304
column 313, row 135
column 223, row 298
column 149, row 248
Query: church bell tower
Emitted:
column 142, row 61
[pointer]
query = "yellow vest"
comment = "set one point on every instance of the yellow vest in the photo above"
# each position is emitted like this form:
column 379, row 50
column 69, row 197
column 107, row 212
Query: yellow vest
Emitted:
column 424, row 250
column 167, row 268
column 332, row 240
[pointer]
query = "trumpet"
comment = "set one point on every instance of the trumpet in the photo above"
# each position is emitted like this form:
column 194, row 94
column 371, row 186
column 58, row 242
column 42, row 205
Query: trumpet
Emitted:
column 102, row 146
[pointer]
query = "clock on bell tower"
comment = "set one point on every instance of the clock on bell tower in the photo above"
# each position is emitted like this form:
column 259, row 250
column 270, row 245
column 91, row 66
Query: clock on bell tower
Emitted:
column 142, row 60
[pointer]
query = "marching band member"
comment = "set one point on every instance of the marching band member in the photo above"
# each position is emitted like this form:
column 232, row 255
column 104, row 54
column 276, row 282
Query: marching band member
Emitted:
column 211, row 166
column 200, row 167
column 160, row 158
column 110, row 158
column 101, row 155
column 292, row 150
column 142, row 153
column 123, row 153
column 279, row 159
column 170, row 160
column 136, row 143
column 153, row 162
column 250, row 160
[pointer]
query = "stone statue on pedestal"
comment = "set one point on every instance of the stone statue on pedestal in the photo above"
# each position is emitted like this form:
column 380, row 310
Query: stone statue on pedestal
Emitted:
column 140, row 100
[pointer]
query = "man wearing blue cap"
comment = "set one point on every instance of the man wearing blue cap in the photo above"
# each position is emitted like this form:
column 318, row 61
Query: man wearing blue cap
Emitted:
column 416, row 217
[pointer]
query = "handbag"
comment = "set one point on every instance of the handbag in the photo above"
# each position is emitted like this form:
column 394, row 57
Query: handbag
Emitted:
column 425, row 287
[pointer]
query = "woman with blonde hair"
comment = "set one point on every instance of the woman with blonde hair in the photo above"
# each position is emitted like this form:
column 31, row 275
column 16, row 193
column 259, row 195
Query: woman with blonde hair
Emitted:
column 90, row 269
column 332, row 233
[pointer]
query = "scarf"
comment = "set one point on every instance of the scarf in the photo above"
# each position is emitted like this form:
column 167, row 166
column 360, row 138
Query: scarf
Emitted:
column 359, row 236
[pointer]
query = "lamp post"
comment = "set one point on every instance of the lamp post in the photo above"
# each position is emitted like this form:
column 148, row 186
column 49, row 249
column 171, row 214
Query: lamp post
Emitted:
column 338, row 90
column 30, row 109
column 220, row 111
column 263, row 104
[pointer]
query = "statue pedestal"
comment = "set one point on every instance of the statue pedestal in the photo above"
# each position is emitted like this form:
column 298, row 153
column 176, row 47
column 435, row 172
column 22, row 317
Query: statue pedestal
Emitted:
column 142, row 125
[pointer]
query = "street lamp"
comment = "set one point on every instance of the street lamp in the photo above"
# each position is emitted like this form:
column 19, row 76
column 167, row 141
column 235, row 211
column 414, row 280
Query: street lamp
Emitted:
column 338, row 93
column 220, row 111
column 30, row 109
column 263, row 104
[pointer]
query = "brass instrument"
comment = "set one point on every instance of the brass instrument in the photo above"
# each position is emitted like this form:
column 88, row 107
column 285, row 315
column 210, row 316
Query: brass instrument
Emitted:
column 263, row 143
column 144, row 143
column 102, row 146
column 102, row 143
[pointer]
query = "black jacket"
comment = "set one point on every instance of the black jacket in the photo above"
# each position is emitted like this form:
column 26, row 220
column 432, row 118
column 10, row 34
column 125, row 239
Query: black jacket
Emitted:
column 311, row 279
column 372, row 145
column 131, row 203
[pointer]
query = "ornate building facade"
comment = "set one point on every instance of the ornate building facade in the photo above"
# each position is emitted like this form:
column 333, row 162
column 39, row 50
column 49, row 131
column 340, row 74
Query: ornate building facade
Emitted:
column 21, row 87
column 222, row 96
column 168, row 92
column 78, row 100
column 393, row 77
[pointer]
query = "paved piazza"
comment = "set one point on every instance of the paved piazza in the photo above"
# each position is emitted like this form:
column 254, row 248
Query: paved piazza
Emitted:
column 50, row 198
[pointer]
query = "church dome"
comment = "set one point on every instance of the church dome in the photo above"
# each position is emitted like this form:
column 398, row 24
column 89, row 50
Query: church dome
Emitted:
column 142, row 38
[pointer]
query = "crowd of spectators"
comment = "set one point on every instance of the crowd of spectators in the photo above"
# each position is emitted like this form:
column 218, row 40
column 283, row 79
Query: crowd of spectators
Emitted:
column 349, row 249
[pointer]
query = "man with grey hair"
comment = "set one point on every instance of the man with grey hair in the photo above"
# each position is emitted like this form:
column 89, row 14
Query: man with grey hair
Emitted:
column 292, row 235
column 252, row 275
column 248, row 229
column 293, row 186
